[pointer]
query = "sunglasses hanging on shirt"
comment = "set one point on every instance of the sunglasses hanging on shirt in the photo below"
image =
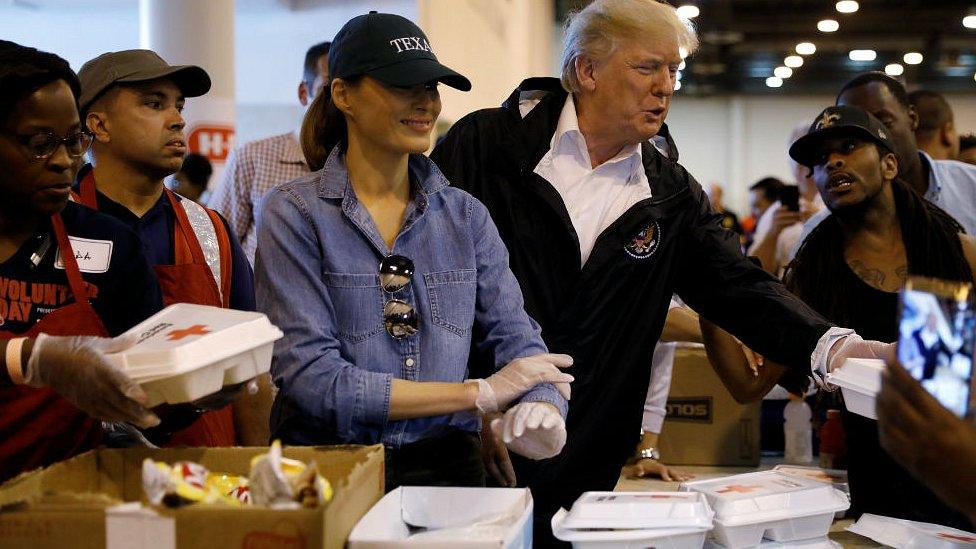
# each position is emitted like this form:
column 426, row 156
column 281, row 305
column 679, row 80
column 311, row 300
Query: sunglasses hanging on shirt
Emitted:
column 399, row 317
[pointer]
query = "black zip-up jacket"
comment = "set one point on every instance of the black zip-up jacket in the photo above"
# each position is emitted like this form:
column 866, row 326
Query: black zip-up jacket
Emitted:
column 608, row 314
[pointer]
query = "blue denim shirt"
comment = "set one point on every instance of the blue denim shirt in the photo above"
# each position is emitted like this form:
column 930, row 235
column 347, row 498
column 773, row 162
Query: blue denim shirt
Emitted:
column 317, row 278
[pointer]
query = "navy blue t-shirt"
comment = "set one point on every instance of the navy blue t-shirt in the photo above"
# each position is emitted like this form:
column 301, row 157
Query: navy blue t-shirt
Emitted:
column 33, row 282
column 155, row 229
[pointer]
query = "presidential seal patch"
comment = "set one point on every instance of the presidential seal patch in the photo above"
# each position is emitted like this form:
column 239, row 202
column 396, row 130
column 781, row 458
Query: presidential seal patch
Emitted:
column 645, row 243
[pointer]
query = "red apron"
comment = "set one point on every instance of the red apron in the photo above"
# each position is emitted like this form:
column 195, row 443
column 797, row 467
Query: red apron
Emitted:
column 190, row 280
column 37, row 426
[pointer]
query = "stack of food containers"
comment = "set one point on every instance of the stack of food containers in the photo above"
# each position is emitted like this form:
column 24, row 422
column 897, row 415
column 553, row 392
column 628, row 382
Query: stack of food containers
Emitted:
column 860, row 381
column 671, row 520
column 769, row 504
column 187, row 351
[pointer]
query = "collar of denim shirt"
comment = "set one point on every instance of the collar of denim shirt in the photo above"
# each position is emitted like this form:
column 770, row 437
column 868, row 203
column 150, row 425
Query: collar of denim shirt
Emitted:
column 424, row 176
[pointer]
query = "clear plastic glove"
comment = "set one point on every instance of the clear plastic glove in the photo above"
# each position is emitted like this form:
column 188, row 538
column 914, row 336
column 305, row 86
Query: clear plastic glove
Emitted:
column 494, row 453
column 535, row 430
column 75, row 367
column 518, row 377
column 853, row 346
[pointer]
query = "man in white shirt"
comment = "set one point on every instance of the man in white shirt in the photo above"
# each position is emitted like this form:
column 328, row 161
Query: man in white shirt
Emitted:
column 256, row 167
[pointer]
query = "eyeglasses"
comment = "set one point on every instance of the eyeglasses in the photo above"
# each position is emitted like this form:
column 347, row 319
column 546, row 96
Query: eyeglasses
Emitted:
column 399, row 317
column 42, row 146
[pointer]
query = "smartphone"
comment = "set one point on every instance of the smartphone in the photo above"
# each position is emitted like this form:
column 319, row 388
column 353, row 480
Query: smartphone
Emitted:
column 789, row 196
column 936, row 335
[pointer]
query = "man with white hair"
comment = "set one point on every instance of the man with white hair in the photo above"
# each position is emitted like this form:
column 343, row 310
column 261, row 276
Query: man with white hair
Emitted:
column 603, row 225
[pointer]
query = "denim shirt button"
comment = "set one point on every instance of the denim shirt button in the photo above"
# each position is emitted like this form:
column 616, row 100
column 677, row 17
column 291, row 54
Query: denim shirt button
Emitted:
column 409, row 362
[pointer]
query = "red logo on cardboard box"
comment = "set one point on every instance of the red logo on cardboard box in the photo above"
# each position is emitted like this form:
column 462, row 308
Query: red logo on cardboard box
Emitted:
column 214, row 141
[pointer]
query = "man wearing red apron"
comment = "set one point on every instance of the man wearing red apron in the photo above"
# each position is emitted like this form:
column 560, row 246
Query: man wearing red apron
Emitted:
column 64, row 269
column 131, row 103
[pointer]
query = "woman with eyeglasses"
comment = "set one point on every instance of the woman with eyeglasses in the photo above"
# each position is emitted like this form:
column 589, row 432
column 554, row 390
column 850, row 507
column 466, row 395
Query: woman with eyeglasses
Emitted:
column 67, row 276
column 382, row 276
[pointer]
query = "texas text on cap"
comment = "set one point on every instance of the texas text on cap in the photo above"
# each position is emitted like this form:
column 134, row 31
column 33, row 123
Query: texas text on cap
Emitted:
column 391, row 49
column 130, row 66
column 839, row 121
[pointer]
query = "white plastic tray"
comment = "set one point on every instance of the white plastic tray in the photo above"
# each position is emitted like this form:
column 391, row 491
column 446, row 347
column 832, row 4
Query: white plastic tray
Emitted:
column 769, row 504
column 860, row 381
column 639, row 510
column 907, row 534
column 188, row 351
column 659, row 538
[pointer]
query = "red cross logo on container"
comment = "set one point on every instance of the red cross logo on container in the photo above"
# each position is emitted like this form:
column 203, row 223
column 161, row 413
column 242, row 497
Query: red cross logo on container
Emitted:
column 196, row 329
column 214, row 141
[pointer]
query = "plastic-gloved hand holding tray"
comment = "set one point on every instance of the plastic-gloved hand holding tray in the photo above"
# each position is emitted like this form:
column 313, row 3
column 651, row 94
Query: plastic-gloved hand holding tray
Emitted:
column 188, row 351
column 769, row 504
column 860, row 381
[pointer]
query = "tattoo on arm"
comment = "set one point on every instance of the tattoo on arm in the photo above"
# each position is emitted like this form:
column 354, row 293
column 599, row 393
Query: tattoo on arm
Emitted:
column 872, row 277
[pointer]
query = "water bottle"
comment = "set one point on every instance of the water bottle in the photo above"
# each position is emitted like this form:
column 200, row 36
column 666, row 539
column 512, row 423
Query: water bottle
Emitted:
column 798, row 432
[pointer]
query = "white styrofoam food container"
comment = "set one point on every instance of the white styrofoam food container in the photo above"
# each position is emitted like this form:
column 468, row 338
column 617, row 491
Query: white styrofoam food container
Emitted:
column 908, row 534
column 639, row 510
column 769, row 504
column 442, row 518
column 610, row 538
column 189, row 351
column 816, row 543
column 835, row 477
column 860, row 381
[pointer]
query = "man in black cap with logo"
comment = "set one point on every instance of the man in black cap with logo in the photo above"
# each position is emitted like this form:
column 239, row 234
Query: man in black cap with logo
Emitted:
column 603, row 225
column 851, row 267
column 131, row 103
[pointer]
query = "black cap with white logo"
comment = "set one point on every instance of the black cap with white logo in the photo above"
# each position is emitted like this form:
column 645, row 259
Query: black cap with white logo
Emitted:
column 839, row 121
column 391, row 49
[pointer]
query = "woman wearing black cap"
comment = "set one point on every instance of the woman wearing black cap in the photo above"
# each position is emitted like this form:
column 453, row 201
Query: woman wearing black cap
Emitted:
column 381, row 275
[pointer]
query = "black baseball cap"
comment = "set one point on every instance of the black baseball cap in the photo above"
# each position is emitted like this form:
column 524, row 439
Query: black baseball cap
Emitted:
column 131, row 66
column 839, row 121
column 391, row 49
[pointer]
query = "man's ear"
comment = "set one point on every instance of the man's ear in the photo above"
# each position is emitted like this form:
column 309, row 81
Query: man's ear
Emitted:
column 889, row 166
column 303, row 94
column 96, row 122
column 913, row 117
column 585, row 67
column 946, row 133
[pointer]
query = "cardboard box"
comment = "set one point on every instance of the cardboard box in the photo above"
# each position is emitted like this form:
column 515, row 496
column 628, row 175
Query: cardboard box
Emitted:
column 76, row 503
column 705, row 425
column 448, row 518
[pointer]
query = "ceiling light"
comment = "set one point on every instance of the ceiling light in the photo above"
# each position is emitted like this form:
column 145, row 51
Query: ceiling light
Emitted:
column 969, row 21
column 847, row 6
column 913, row 58
column 827, row 25
column 677, row 85
column 806, row 48
column 682, row 65
column 793, row 61
column 774, row 82
column 894, row 69
column 683, row 52
column 688, row 11
column 863, row 55
column 783, row 72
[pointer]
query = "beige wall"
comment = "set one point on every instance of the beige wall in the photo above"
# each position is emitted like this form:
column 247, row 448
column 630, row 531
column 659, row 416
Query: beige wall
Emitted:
column 495, row 43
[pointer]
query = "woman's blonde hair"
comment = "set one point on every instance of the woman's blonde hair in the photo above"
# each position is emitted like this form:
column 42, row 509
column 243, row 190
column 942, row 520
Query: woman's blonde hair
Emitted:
column 600, row 27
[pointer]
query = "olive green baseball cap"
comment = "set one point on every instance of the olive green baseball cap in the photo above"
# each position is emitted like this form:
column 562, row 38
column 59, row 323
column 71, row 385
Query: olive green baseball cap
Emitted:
column 132, row 66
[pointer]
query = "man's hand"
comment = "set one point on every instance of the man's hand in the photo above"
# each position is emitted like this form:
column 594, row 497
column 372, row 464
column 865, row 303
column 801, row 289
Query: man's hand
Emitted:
column 76, row 368
column 935, row 446
column 651, row 468
column 853, row 346
column 783, row 218
column 535, row 430
column 495, row 454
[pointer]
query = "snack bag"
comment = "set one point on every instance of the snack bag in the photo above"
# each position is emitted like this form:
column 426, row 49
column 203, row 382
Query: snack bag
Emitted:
column 186, row 482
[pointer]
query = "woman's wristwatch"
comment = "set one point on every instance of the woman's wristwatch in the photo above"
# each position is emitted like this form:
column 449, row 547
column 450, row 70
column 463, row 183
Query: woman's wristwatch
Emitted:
column 649, row 453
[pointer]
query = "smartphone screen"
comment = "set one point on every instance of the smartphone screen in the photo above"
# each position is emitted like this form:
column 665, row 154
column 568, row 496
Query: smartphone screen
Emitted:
column 937, row 330
column 789, row 196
